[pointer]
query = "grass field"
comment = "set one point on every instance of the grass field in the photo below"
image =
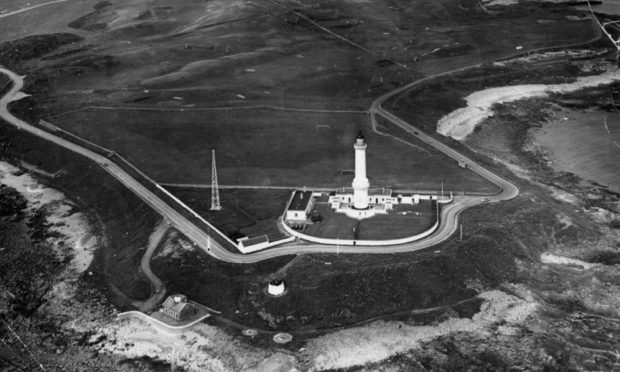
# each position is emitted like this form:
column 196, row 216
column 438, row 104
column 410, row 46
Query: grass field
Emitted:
column 244, row 212
column 403, row 221
column 38, row 21
column 267, row 147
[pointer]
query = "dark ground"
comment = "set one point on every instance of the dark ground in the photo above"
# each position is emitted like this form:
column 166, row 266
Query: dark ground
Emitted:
column 244, row 212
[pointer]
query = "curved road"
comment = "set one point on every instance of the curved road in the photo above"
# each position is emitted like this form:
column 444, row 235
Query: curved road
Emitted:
column 449, row 214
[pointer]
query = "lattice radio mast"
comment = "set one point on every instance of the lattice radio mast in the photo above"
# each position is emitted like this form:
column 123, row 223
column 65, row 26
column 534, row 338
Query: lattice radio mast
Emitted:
column 215, row 192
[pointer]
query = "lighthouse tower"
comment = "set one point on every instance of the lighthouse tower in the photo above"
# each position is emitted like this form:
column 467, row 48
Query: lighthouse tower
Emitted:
column 360, row 182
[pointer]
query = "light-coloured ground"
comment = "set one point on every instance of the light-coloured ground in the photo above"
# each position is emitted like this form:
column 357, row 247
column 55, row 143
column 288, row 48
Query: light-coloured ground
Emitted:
column 203, row 348
column 207, row 348
column 75, row 236
column 461, row 123
column 74, row 239
column 38, row 21
column 550, row 258
column 381, row 340
column 174, row 247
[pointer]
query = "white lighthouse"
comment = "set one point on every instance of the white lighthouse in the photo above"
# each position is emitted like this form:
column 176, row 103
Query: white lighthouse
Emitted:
column 360, row 182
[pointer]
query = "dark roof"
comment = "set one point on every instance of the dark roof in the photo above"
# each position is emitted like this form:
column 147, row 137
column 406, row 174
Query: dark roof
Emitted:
column 255, row 241
column 360, row 135
column 300, row 201
column 176, row 306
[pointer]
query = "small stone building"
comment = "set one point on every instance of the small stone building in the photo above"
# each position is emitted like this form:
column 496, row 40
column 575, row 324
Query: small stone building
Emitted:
column 177, row 307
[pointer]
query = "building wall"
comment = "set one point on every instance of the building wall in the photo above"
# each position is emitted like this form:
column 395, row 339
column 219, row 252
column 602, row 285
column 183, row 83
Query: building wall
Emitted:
column 299, row 215
column 172, row 314
column 258, row 247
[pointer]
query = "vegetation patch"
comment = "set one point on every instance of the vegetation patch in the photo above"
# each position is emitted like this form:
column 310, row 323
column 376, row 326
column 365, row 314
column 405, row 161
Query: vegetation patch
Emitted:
column 244, row 212
column 35, row 46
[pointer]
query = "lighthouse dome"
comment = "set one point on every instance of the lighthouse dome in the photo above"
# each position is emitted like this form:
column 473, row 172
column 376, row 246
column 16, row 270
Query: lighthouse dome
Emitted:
column 360, row 137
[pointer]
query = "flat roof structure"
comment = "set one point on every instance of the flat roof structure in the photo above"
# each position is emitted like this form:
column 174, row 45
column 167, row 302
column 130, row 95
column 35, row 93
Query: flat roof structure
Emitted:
column 300, row 201
column 254, row 241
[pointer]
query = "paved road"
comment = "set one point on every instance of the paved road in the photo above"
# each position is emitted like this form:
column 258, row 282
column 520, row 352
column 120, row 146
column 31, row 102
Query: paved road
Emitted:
column 449, row 214
column 289, row 188
column 508, row 189
column 176, row 219
column 30, row 8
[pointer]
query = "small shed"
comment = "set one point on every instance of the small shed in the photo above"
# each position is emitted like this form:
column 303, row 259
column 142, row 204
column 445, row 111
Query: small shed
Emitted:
column 248, row 245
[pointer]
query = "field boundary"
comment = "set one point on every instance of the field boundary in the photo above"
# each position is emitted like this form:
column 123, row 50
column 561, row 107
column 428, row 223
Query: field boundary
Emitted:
column 110, row 154
column 368, row 243
column 206, row 109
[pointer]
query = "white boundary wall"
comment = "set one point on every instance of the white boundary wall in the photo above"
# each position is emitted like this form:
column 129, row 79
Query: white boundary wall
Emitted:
column 260, row 247
column 374, row 243
column 158, row 324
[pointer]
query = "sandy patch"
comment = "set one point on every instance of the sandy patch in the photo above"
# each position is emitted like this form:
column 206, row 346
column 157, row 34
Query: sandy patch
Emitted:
column 71, row 237
column 461, row 123
column 381, row 340
column 175, row 246
column 203, row 348
column 206, row 348
column 563, row 196
column 499, row 2
column 549, row 258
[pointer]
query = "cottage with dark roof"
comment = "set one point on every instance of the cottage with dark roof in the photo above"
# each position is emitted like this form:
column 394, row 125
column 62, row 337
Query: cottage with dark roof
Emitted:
column 177, row 307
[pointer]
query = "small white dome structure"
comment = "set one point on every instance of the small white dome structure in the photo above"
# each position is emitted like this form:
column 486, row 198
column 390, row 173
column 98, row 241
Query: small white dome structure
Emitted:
column 283, row 338
column 276, row 288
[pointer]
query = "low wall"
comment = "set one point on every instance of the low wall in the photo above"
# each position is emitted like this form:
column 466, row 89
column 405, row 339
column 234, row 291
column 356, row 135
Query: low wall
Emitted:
column 373, row 243
column 145, row 181
column 158, row 324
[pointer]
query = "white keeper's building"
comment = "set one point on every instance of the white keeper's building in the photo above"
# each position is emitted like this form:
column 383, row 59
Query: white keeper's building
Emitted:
column 358, row 201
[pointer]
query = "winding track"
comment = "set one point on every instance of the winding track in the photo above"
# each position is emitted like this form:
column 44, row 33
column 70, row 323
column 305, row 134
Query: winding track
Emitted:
column 449, row 214
column 30, row 8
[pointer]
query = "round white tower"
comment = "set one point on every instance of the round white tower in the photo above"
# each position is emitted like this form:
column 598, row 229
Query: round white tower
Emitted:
column 360, row 182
